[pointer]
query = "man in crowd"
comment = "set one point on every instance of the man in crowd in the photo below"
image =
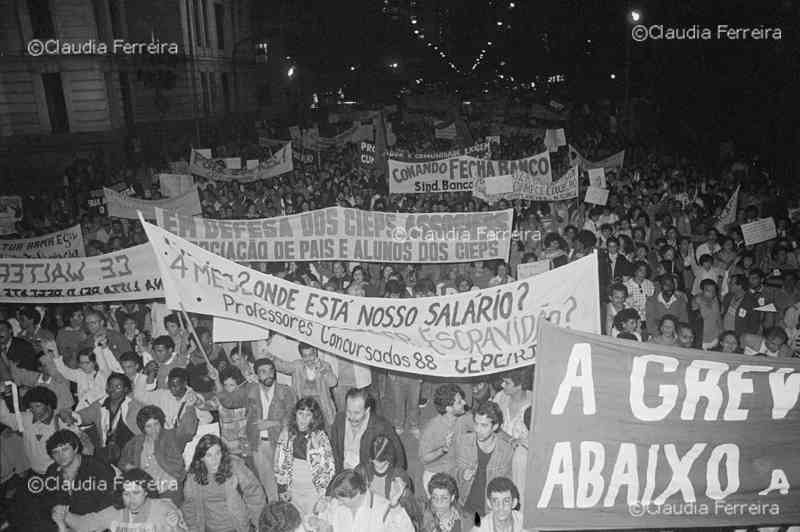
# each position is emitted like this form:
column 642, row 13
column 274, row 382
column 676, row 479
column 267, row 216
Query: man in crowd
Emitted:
column 96, row 327
column 437, row 436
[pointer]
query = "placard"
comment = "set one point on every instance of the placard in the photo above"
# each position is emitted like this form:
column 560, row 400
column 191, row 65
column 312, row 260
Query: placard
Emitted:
column 759, row 231
column 597, row 177
column 174, row 185
column 596, row 196
column 233, row 163
column 528, row 187
column 64, row 243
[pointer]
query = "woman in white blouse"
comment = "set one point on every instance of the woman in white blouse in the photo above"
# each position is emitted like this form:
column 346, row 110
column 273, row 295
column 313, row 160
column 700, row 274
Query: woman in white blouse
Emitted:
column 513, row 399
column 91, row 375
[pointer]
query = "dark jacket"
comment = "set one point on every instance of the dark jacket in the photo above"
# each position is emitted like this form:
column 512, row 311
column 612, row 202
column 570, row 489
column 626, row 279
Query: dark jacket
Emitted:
column 22, row 352
column 375, row 426
column 94, row 487
column 747, row 319
column 283, row 401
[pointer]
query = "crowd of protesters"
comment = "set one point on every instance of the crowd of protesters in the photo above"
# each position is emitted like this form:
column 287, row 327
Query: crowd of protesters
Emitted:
column 118, row 399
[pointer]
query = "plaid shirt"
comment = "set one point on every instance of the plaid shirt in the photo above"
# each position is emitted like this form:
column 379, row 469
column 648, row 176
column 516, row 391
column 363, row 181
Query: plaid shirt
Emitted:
column 638, row 294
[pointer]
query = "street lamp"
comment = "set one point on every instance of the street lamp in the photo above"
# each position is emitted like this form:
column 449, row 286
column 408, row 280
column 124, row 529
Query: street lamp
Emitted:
column 636, row 15
column 290, row 72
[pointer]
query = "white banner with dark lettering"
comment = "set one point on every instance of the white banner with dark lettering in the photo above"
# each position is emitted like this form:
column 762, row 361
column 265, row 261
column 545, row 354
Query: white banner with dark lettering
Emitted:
column 215, row 169
column 338, row 233
column 522, row 185
column 473, row 333
column 122, row 206
column 458, row 174
column 122, row 275
column 64, row 243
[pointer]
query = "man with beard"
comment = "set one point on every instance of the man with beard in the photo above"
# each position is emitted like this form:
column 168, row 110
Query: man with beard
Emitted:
column 269, row 406
column 437, row 436
column 479, row 456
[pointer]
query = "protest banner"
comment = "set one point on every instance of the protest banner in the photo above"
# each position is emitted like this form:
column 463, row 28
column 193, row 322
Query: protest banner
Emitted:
column 531, row 269
column 174, row 185
column 64, row 243
column 501, row 184
column 122, row 275
column 458, row 174
column 473, row 333
column 10, row 214
column 179, row 167
column 596, row 196
column 447, row 132
column 532, row 188
column 232, row 163
column 554, row 139
column 490, row 139
column 612, row 162
column 728, row 214
column 122, row 206
column 214, row 169
column 481, row 150
column 205, row 152
column 759, row 231
column 339, row 233
column 97, row 202
column 644, row 436
column 597, row 177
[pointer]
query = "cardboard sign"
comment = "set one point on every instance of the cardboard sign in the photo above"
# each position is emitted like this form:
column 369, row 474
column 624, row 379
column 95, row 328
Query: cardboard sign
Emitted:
column 638, row 435
column 174, row 185
column 233, row 163
column 597, row 177
column 759, row 231
column 532, row 188
column 596, row 196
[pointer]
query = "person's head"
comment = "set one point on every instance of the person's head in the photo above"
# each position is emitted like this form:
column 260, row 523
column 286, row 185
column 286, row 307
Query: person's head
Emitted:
column 308, row 354
column 307, row 416
column 349, row 488
column 516, row 380
column 64, row 447
column 641, row 271
column 205, row 336
column 87, row 361
column 709, row 288
column 619, row 293
column 357, row 406
column 231, row 378
column 425, row 288
column 74, row 316
column 279, row 516
column 667, row 283
column 29, row 317
column 134, row 488
column 706, row 261
column 612, row 245
column 172, row 324
column 487, row 417
column 211, row 457
column 775, row 338
column 358, row 275
column 502, row 496
column 176, row 382
column 264, row 369
column 339, row 271
column 6, row 332
column 738, row 284
column 444, row 492
column 729, row 342
column 668, row 326
column 450, row 399
column 382, row 454
column 711, row 236
column 463, row 284
column 627, row 320
column 685, row 335
column 394, row 289
column 131, row 363
column 163, row 347
column 95, row 322
column 150, row 420
column 755, row 279
column 41, row 401
column 118, row 385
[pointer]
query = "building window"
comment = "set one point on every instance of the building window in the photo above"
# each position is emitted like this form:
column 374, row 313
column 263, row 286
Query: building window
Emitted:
column 41, row 19
column 212, row 85
column 56, row 105
column 226, row 92
column 219, row 18
column 198, row 27
column 205, row 23
column 204, row 89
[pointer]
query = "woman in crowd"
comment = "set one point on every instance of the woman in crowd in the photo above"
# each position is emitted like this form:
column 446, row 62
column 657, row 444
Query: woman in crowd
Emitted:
column 304, row 464
column 728, row 343
column 514, row 397
column 221, row 493
column 71, row 336
column 139, row 509
column 442, row 512
column 159, row 451
column 91, row 375
column 667, row 331
column 382, row 462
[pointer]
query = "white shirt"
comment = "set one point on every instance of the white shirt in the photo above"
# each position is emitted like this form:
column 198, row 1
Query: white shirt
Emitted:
column 368, row 517
column 266, row 401
column 352, row 442
column 171, row 406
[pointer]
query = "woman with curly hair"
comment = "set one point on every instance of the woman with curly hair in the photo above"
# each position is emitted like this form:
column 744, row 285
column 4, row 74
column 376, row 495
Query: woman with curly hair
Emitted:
column 304, row 464
column 442, row 512
column 221, row 494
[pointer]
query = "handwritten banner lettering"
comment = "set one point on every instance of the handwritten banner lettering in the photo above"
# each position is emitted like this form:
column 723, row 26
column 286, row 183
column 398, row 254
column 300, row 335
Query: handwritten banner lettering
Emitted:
column 123, row 275
column 338, row 233
column 532, row 188
column 122, row 206
column 482, row 150
column 643, row 436
column 65, row 243
column 458, row 174
column 463, row 334
column 215, row 169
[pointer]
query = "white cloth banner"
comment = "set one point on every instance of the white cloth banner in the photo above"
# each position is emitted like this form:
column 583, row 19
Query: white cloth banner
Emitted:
column 526, row 187
column 174, row 185
column 122, row 206
column 122, row 275
column 447, row 132
column 531, row 269
column 339, row 233
column 759, row 231
column 612, row 162
column 215, row 169
column 728, row 215
column 473, row 333
column 65, row 243
column 459, row 174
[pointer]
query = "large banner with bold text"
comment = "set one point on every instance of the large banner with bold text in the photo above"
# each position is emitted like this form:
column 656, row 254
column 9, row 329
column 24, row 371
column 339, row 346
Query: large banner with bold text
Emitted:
column 521, row 185
column 473, row 333
column 458, row 174
column 65, row 243
column 339, row 233
column 122, row 275
column 215, row 169
column 633, row 435
column 481, row 150
column 122, row 206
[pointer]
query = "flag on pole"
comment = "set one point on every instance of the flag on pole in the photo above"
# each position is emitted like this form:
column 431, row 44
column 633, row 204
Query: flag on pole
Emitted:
column 728, row 215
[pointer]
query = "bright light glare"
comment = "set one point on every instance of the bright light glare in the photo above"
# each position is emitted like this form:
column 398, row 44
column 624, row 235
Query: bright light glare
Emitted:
column 290, row 73
column 636, row 16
